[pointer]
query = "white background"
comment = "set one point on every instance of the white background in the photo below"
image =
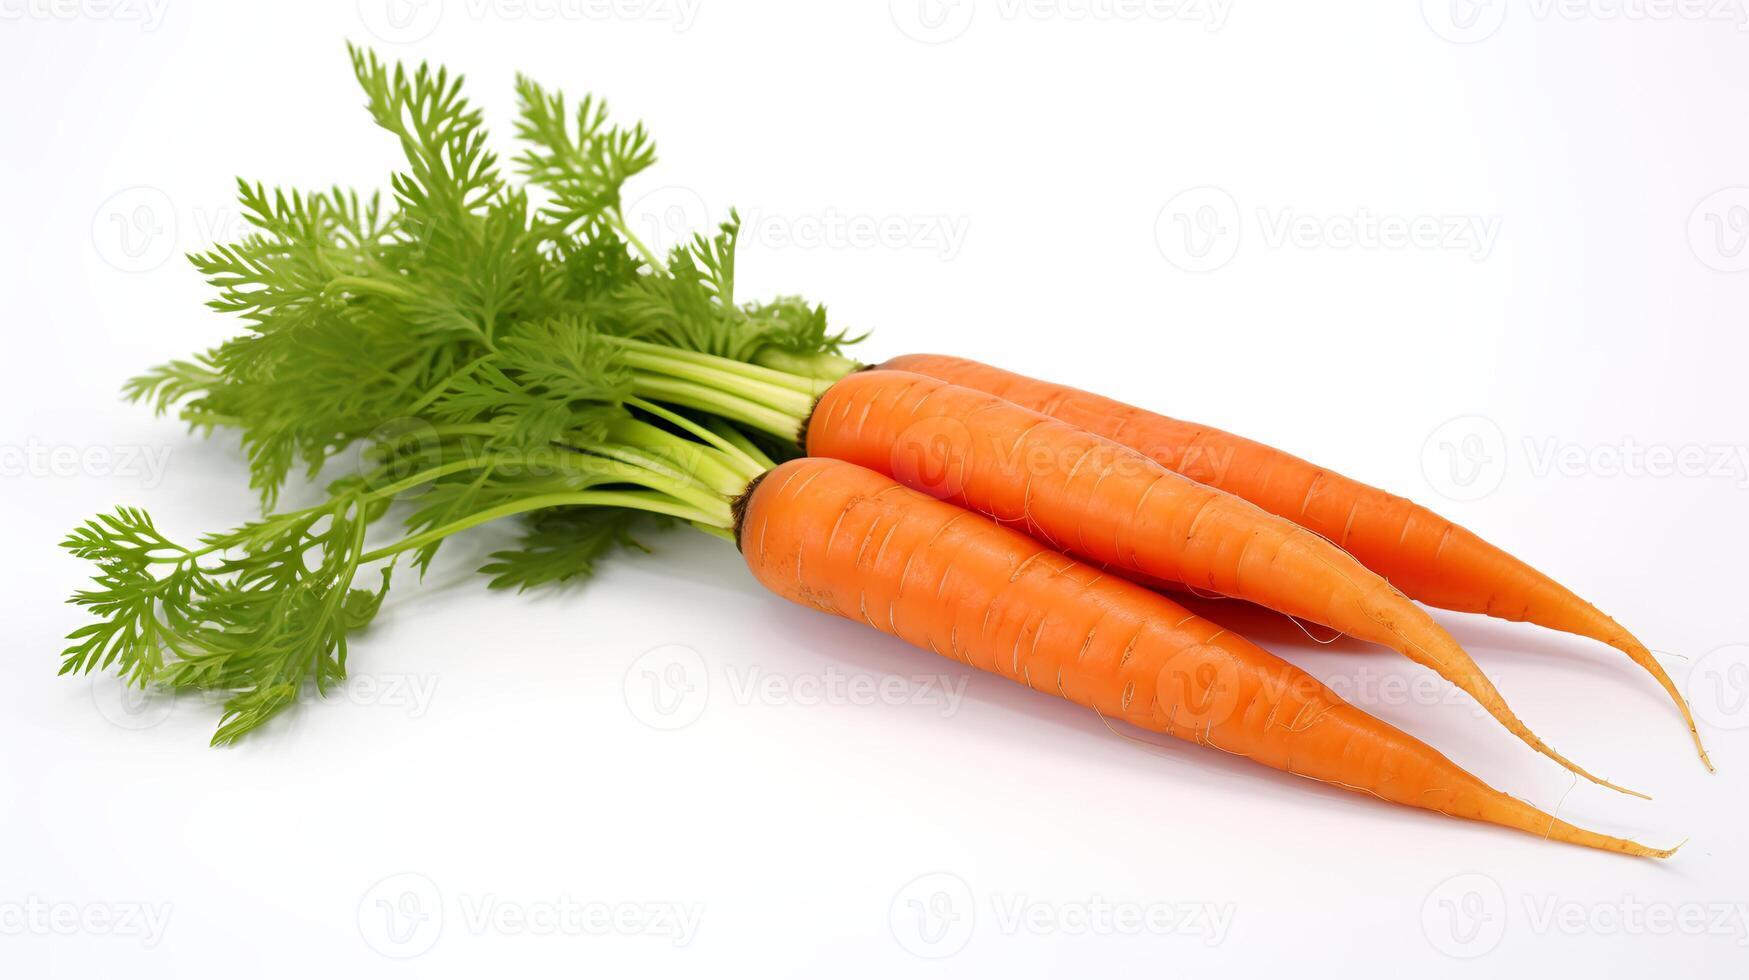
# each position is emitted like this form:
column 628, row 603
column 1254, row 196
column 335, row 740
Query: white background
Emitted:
column 1026, row 170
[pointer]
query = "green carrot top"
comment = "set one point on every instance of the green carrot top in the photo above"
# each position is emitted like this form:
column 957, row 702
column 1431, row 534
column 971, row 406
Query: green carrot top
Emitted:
column 466, row 352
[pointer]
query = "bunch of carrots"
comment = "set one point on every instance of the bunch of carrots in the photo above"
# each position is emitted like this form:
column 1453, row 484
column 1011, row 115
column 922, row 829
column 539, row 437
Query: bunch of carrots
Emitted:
column 480, row 350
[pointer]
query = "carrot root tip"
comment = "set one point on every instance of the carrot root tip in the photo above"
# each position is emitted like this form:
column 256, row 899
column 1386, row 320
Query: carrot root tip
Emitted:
column 1665, row 852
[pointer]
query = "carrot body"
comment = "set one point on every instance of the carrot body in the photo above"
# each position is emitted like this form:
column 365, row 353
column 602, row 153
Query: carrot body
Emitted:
column 1115, row 507
column 848, row 541
column 1425, row 555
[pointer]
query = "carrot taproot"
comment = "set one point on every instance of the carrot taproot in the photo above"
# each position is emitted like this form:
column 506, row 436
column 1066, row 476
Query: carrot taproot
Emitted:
column 1105, row 502
column 843, row 539
column 1428, row 557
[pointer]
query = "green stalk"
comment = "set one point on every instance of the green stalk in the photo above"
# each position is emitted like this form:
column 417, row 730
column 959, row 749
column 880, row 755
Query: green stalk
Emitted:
column 765, row 398
column 718, row 401
column 618, row 223
column 734, row 437
column 654, row 503
column 565, row 457
column 717, row 532
column 417, row 479
column 752, row 389
column 825, row 367
column 737, row 458
column 680, row 484
column 619, row 464
column 437, row 391
column 795, row 381
column 625, row 464
column 709, row 465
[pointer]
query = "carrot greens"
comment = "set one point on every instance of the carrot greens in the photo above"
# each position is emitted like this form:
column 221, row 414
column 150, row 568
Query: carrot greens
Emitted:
column 471, row 349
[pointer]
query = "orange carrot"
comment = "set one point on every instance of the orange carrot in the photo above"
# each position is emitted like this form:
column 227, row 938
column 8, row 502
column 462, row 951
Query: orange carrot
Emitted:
column 1105, row 502
column 848, row 541
column 1425, row 555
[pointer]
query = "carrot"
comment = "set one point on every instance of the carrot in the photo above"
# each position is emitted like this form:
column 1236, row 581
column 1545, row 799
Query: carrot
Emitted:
column 557, row 387
column 1105, row 502
column 845, row 540
column 1428, row 557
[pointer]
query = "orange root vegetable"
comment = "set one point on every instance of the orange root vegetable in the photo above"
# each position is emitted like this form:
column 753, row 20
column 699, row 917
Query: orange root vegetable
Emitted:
column 849, row 541
column 1428, row 557
column 1107, row 503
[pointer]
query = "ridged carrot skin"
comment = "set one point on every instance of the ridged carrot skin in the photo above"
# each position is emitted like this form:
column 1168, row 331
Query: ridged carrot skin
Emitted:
column 1428, row 557
column 848, row 541
column 1107, row 503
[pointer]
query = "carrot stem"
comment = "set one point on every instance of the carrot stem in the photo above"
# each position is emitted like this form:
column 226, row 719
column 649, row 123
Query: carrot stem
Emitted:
column 716, row 400
column 732, row 435
column 794, row 381
column 752, row 389
column 825, row 367
column 736, row 456
column 655, row 503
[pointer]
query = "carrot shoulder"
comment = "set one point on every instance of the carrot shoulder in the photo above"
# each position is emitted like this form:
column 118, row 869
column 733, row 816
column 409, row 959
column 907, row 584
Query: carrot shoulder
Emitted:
column 851, row 542
column 1428, row 557
column 1102, row 501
